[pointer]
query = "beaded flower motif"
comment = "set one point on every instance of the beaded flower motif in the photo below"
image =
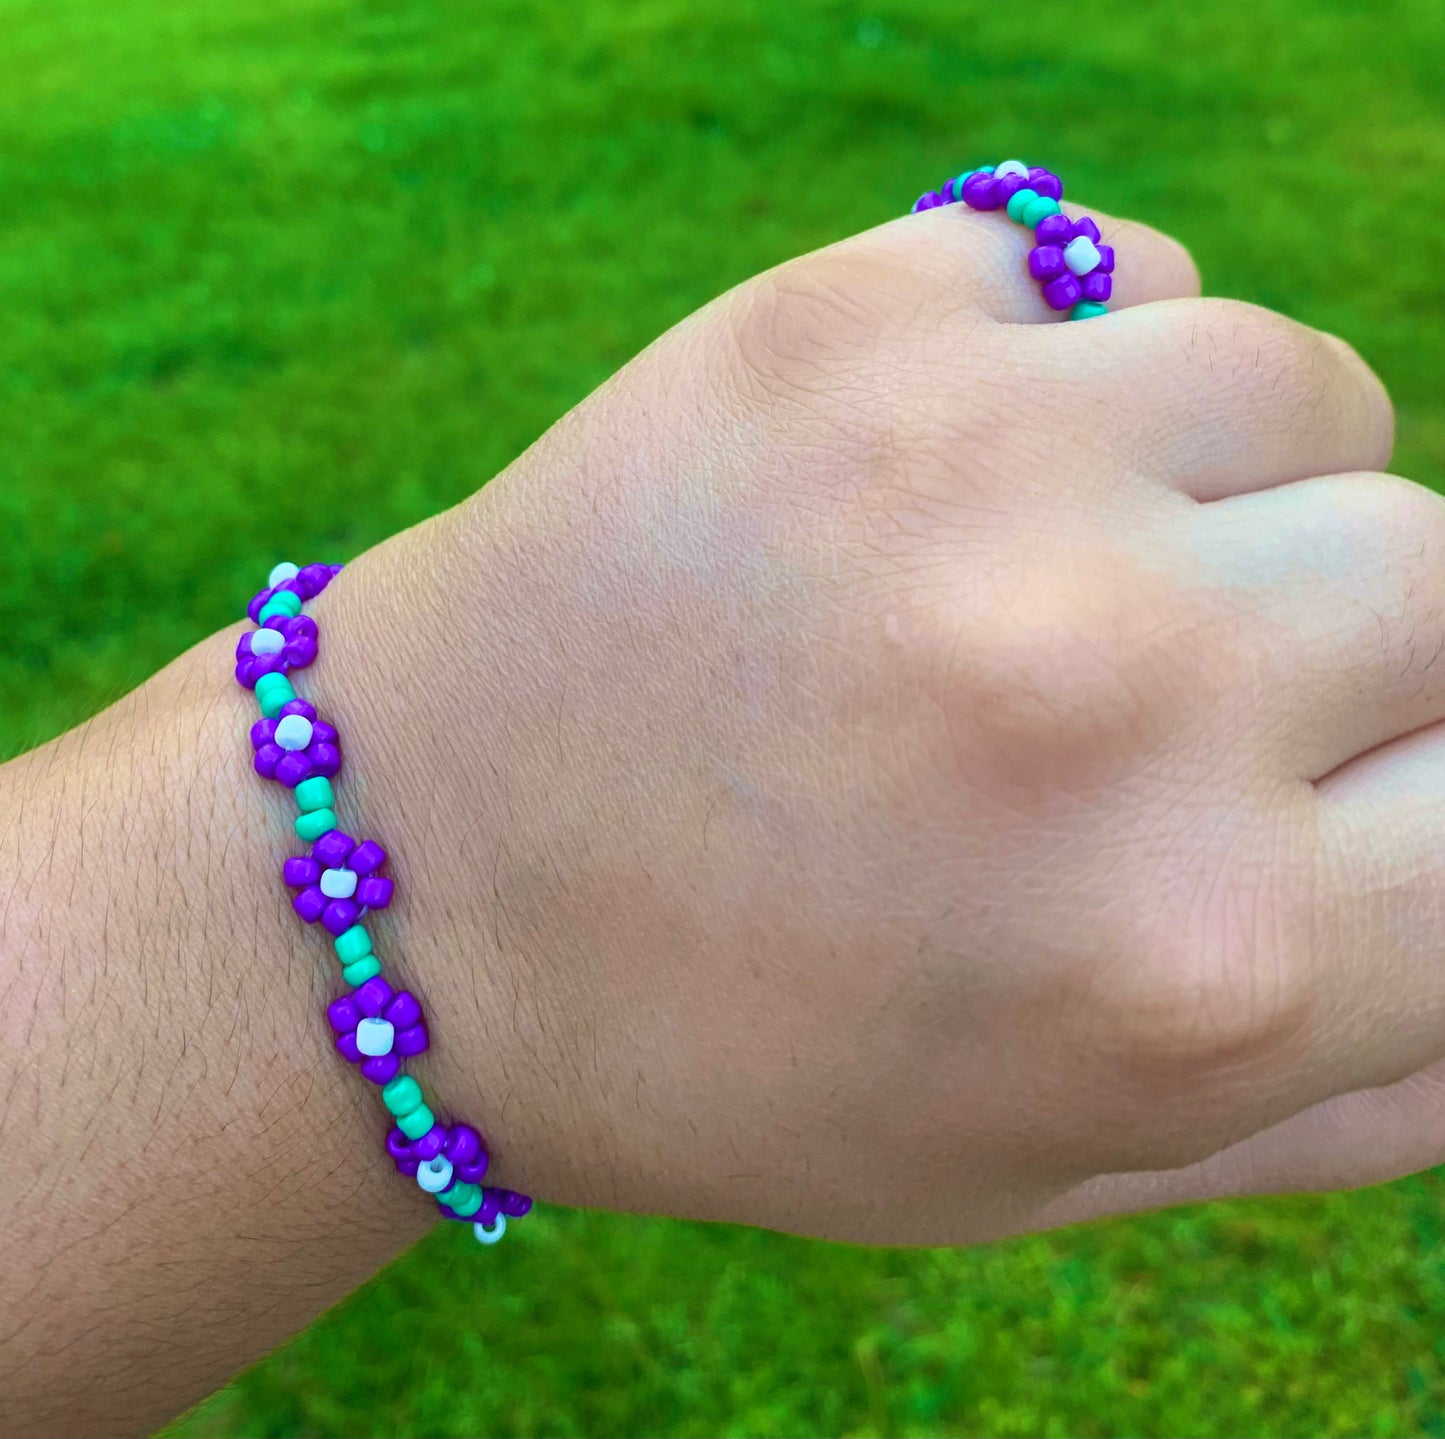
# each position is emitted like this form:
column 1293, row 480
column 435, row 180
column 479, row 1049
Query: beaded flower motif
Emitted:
column 1070, row 263
column 338, row 880
column 377, row 1027
column 295, row 746
column 284, row 642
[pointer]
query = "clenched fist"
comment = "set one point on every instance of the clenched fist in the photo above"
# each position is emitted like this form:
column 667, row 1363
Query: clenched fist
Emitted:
column 895, row 766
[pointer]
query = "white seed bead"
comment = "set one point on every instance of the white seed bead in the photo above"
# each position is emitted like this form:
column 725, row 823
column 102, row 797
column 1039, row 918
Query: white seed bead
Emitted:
column 338, row 883
column 1081, row 255
column 1010, row 167
column 267, row 642
column 374, row 1037
column 435, row 1175
column 490, row 1236
column 280, row 573
column 293, row 732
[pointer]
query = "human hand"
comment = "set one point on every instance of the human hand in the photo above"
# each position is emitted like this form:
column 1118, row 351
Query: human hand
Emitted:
column 901, row 770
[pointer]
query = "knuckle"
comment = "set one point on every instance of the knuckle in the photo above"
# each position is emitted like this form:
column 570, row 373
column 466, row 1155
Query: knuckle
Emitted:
column 1400, row 505
column 1306, row 377
column 1214, row 986
column 1067, row 679
column 826, row 312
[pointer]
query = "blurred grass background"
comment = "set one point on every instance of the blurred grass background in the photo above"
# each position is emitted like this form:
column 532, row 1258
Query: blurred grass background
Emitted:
column 318, row 268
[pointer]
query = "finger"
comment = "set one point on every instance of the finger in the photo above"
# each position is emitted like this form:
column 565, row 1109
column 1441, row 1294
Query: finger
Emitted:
column 979, row 260
column 1340, row 583
column 1212, row 397
column 1372, row 904
column 1366, row 1137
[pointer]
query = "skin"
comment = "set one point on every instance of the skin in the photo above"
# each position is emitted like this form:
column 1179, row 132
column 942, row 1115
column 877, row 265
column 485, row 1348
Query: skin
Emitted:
column 887, row 766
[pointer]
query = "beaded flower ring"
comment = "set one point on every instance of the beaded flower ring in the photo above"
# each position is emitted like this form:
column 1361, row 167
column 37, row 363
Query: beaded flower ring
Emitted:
column 338, row 883
column 1074, row 270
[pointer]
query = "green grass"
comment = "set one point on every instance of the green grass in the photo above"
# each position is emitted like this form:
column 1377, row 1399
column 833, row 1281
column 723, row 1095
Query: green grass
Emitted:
column 321, row 267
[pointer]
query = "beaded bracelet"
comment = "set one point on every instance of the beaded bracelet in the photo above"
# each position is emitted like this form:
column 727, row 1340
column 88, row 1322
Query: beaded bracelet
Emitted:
column 338, row 882
column 1074, row 270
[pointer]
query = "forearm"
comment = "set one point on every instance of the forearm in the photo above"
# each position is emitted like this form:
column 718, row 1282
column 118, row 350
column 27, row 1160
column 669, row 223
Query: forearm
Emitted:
column 190, row 1171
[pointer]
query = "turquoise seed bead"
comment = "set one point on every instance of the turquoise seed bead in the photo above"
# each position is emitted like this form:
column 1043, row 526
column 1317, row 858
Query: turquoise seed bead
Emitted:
column 314, row 823
column 1040, row 209
column 1018, row 202
column 283, row 602
column 1087, row 310
column 315, row 793
column 353, row 944
column 273, row 696
column 415, row 1124
column 360, row 970
column 462, row 1198
column 402, row 1095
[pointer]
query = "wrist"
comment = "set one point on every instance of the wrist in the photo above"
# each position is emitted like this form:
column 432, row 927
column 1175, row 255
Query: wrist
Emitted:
column 174, row 1100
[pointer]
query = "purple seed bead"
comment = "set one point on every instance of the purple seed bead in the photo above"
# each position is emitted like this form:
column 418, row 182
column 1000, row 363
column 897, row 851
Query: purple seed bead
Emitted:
column 343, row 1016
column 1054, row 230
column 266, row 759
column 333, row 847
column 515, row 1205
column 931, row 200
column 258, row 603
column 430, row 1144
column 381, row 1068
column 325, row 759
column 372, row 997
column 1063, row 293
column 397, row 1144
column 404, row 1011
column 304, row 708
column 375, row 892
column 299, row 871
column 1046, row 261
column 1097, row 287
column 980, row 192
column 250, row 670
column 310, row 904
column 262, row 732
column 1086, row 227
column 1106, row 260
column 464, row 1145
column 312, row 579
column 408, row 1043
column 1009, row 186
column 408, row 1167
column 491, row 1207
column 301, row 627
column 292, row 768
column 474, row 1172
column 300, row 653
column 368, row 856
column 1046, row 183
column 325, row 733
column 948, row 194
column 346, row 1043
column 339, row 915
column 447, row 1212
